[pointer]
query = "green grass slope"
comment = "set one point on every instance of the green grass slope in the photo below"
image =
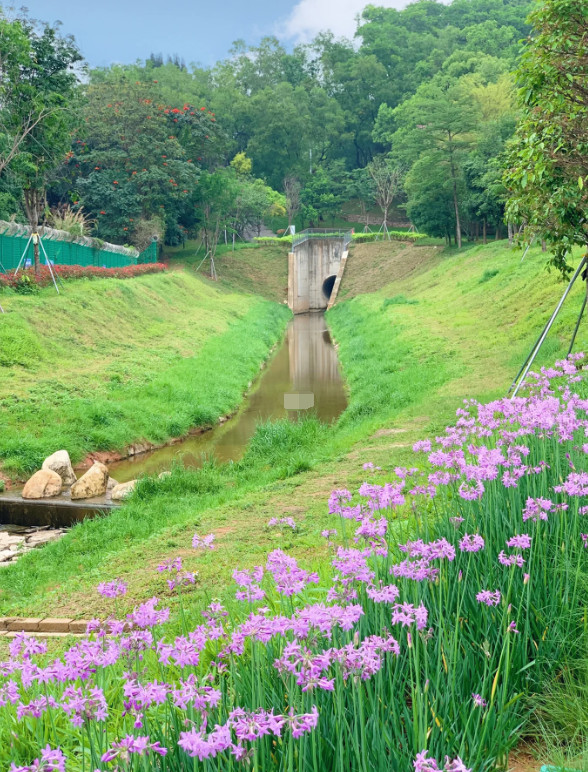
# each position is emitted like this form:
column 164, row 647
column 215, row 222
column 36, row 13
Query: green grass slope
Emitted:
column 110, row 362
column 458, row 327
column 250, row 267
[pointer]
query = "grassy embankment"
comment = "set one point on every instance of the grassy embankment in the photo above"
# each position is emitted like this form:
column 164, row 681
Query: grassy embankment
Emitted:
column 432, row 330
column 108, row 362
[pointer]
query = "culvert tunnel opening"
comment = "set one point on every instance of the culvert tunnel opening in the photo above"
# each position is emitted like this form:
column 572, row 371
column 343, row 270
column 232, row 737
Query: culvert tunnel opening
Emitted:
column 328, row 285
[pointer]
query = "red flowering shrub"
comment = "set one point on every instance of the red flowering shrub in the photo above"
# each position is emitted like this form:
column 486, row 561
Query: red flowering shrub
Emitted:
column 81, row 272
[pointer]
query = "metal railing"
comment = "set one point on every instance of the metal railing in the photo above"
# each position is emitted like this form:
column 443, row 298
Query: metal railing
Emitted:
column 321, row 233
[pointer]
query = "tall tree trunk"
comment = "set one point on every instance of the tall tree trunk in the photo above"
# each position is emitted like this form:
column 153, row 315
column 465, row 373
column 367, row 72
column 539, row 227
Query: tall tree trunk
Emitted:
column 456, row 206
column 34, row 201
column 510, row 233
column 484, row 233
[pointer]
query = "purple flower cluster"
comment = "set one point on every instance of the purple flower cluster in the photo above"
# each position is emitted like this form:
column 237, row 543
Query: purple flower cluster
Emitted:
column 280, row 522
column 423, row 763
column 140, row 746
column 289, row 578
column 203, row 542
column 304, row 650
column 489, row 597
column 250, row 581
column 178, row 577
column 51, row 760
column 113, row 589
column 244, row 727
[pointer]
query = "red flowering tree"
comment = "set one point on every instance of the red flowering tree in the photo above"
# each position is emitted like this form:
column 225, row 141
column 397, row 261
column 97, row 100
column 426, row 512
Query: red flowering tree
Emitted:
column 138, row 160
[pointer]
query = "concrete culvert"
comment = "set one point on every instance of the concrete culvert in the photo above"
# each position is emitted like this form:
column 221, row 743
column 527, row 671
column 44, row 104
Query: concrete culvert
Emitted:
column 328, row 285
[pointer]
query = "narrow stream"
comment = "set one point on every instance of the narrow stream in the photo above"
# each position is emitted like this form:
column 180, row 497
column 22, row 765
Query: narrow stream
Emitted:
column 306, row 362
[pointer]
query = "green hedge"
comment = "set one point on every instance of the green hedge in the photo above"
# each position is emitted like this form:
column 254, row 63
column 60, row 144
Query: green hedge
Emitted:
column 358, row 238
column 283, row 240
column 362, row 238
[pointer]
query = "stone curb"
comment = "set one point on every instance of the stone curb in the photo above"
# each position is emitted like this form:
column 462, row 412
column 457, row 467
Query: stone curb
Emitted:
column 42, row 626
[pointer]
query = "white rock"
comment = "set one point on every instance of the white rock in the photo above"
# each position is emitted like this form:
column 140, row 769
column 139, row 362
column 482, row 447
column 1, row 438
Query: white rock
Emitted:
column 123, row 490
column 92, row 483
column 8, row 539
column 43, row 537
column 60, row 462
column 112, row 483
column 43, row 484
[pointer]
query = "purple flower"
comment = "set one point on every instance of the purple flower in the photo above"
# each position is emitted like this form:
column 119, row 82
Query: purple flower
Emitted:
column 129, row 744
column 471, row 543
column 198, row 744
column 585, row 539
column 112, row 589
column 83, row 707
column 250, row 580
column 424, row 764
column 406, row 614
column 479, row 701
column 489, row 597
column 52, row 760
column 203, row 542
column 146, row 615
column 521, row 541
column 290, row 579
column 282, row 521
column 471, row 492
column 537, row 509
column 510, row 560
column 455, row 765
column 386, row 594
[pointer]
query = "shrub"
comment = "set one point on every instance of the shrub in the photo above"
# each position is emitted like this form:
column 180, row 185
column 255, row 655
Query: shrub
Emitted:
column 398, row 300
column 27, row 282
column 281, row 241
column 489, row 273
column 362, row 238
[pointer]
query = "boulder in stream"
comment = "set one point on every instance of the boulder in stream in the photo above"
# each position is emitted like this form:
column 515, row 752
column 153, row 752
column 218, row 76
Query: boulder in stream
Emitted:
column 112, row 483
column 92, row 483
column 44, row 484
column 121, row 491
column 60, row 462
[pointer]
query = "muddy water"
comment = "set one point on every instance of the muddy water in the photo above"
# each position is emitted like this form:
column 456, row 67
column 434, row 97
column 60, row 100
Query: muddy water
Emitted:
column 306, row 363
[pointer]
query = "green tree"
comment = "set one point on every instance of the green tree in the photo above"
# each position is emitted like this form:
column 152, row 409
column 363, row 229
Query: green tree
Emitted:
column 320, row 196
column 241, row 164
column 436, row 126
column 139, row 158
column 38, row 101
column 548, row 159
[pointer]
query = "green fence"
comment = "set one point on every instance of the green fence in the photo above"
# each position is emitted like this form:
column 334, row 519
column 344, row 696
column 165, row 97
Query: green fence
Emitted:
column 69, row 253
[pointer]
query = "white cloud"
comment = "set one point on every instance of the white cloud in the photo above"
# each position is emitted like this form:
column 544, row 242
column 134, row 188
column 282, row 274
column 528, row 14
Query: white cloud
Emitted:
column 309, row 17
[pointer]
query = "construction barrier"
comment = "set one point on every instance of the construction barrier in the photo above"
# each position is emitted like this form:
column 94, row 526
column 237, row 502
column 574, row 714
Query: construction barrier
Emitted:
column 67, row 251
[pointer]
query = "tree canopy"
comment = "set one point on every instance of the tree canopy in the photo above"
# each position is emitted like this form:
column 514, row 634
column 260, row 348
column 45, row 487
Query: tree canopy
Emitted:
column 426, row 90
column 548, row 159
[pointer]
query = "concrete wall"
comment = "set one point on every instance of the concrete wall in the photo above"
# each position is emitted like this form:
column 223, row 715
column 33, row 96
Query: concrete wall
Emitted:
column 308, row 267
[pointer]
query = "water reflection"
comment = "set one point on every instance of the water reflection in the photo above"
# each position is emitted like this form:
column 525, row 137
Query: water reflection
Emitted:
column 306, row 362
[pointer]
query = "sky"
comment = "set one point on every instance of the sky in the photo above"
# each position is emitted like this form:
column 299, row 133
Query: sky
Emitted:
column 199, row 31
